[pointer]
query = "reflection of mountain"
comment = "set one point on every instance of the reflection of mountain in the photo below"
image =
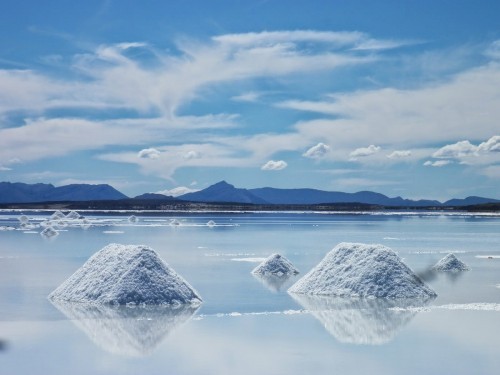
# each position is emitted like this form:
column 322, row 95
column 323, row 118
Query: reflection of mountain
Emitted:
column 360, row 321
column 272, row 282
column 128, row 331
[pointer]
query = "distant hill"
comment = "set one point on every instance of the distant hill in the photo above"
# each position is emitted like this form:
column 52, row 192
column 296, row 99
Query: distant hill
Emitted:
column 470, row 201
column 154, row 196
column 313, row 196
column 19, row 192
column 223, row 192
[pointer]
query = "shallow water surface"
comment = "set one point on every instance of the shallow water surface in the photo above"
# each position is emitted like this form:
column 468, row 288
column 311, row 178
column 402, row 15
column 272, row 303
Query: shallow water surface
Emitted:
column 246, row 324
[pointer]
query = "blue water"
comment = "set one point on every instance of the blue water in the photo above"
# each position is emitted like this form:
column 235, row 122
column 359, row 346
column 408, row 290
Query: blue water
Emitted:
column 247, row 325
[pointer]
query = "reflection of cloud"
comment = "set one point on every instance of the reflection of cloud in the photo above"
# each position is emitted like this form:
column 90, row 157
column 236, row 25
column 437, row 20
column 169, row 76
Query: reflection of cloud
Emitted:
column 360, row 321
column 128, row 331
column 272, row 282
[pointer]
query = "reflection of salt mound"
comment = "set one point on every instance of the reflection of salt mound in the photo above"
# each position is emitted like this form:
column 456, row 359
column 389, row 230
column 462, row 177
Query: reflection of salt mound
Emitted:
column 73, row 215
column 272, row 282
column 126, row 274
column 133, row 219
column 372, row 321
column 49, row 232
column 124, row 330
column 450, row 263
column 360, row 270
column 276, row 265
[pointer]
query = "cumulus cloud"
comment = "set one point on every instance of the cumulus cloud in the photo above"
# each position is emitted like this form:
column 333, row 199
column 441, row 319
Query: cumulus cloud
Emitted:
column 364, row 151
column 399, row 154
column 317, row 152
column 437, row 163
column 456, row 150
column 149, row 153
column 191, row 154
column 273, row 165
column 491, row 145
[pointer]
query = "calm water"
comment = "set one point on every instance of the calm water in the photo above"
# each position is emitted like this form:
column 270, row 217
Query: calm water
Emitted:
column 247, row 325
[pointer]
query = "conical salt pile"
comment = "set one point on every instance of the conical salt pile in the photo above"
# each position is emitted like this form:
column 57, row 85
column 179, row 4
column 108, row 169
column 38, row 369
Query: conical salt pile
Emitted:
column 275, row 265
column 360, row 270
column 450, row 263
column 126, row 274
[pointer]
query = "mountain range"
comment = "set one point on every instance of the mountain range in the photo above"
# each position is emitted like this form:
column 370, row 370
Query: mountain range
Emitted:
column 18, row 192
column 221, row 192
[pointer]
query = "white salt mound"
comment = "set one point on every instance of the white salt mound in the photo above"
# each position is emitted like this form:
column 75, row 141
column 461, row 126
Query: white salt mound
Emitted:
column 57, row 215
column 73, row 215
column 49, row 232
column 126, row 274
column 211, row 223
column 23, row 219
column 275, row 265
column 450, row 263
column 133, row 219
column 361, row 270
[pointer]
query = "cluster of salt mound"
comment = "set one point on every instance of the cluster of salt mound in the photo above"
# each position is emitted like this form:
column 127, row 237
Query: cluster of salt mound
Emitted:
column 275, row 265
column 360, row 270
column 450, row 263
column 126, row 274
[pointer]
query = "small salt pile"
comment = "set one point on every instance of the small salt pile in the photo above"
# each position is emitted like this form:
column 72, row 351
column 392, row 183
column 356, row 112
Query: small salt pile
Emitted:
column 72, row 215
column 275, row 265
column 58, row 215
column 361, row 270
column 133, row 219
column 211, row 223
column 450, row 263
column 126, row 275
column 49, row 232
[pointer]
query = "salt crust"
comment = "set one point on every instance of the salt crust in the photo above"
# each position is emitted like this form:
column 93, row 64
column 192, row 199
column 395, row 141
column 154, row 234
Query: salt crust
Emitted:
column 126, row 275
column 361, row 270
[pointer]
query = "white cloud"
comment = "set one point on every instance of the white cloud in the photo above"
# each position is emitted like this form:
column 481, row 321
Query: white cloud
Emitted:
column 192, row 155
column 273, row 165
column 456, row 150
column 149, row 153
column 364, row 151
column 250, row 97
column 493, row 50
column 464, row 106
column 4, row 169
column 317, row 152
column 491, row 145
column 178, row 191
column 399, row 154
column 437, row 163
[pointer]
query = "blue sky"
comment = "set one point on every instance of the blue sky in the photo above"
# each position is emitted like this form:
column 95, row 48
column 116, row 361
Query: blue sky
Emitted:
column 396, row 97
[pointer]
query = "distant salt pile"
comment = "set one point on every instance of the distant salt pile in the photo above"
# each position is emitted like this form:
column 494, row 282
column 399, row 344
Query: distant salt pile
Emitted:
column 175, row 222
column 360, row 270
column 73, row 215
column 58, row 215
column 450, row 263
column 133, row 219
column 126, row 275
column 211, row 223
column 49, row 232
column 23, row 219
column 275, row 265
